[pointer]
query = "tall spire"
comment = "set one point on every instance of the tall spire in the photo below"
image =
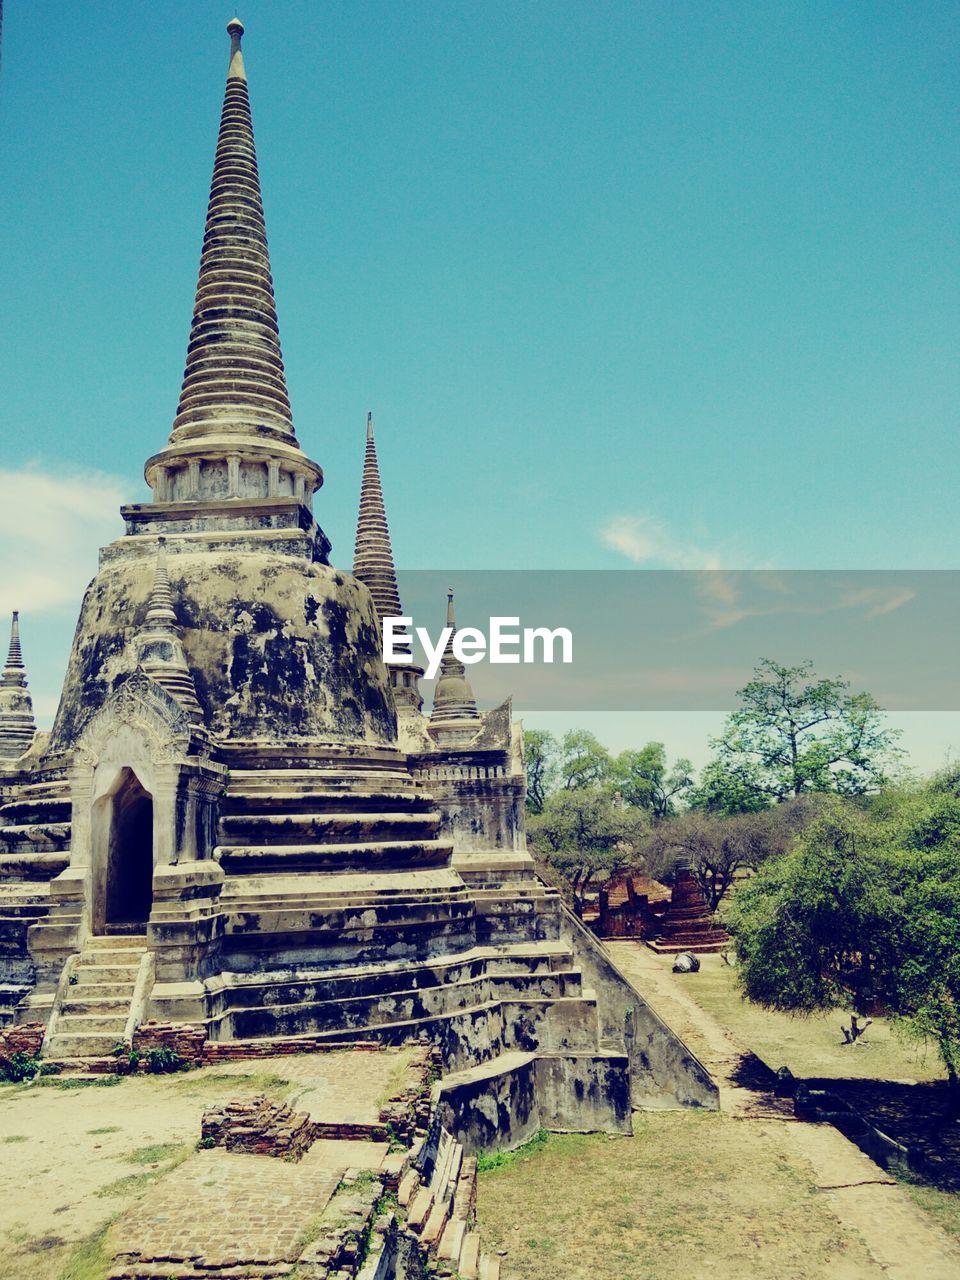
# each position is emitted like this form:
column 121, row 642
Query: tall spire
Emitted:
column 17, row 725
column 160, row 652
column 233, row 435
column 373, row 565
column 234, row 379
column 372, row 556
column 453, row 699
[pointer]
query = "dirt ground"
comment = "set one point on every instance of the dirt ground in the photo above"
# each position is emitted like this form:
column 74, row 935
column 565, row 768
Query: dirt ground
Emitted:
column 72, row 1158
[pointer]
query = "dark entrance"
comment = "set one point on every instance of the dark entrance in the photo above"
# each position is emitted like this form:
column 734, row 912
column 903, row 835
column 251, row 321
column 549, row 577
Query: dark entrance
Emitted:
column 129, row 888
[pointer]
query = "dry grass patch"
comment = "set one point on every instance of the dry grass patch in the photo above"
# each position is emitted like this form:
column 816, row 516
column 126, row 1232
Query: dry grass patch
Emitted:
column 692, row 1193
column 808, row 1046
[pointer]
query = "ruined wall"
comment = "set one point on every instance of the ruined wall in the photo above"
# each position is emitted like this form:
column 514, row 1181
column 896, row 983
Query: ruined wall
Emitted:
column 279, row 647
column 663, row 1071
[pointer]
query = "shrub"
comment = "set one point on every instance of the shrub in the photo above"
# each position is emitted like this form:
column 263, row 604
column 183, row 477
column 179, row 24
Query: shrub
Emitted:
column 163, row 1061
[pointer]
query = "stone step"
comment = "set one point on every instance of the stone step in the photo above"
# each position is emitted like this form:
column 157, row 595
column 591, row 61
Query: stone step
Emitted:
column 240, row 801
column 324, row 829
column 375, row 856
column 97, row 988
column 98, row 1005
column 489, row 1268
column 309, row 1014
column 80, row 1044
column 111, row 964
column 73, row 1023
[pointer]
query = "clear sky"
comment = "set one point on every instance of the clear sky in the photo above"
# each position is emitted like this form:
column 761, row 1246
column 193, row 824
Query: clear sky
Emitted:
column 623, row 283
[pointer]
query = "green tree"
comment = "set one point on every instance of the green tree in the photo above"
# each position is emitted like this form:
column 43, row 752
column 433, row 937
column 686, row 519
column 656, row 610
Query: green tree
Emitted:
column 584, row 760
column 643, row 779
column 541, row 753
column 585, row 834
column 728, row 787
column 794, row 733
column 863, row 909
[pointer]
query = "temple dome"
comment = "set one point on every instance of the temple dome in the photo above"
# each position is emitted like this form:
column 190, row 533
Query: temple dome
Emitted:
column 278, row 648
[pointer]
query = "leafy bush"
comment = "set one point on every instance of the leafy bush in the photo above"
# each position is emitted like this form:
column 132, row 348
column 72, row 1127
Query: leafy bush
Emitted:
column 164, row 1061
column 21, row 1066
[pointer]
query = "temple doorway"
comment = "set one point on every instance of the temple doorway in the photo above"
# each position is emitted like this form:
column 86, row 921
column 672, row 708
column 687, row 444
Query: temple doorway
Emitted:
column 129, row 880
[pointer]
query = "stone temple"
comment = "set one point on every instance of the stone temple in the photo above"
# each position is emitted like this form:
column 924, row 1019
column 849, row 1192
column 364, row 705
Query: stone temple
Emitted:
column 243, row 825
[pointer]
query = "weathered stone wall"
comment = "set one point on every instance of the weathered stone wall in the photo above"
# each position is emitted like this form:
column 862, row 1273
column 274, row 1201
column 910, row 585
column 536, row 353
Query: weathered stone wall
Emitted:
column 663, row 1071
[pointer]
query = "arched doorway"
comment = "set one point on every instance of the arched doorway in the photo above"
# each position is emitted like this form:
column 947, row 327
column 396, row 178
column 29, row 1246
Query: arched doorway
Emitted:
column 129, row 880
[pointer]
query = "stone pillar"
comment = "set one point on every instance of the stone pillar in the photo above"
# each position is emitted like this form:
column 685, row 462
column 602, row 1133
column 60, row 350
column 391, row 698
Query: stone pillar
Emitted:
column 273, row 478
column 193, row 483
column 299, row 485
column 233, row 475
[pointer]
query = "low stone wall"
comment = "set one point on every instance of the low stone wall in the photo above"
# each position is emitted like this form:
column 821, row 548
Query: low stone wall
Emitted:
column 26, row 1038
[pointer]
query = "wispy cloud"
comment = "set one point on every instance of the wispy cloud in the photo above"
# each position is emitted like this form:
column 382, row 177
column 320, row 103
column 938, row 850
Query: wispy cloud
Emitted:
column 729, row 596
column 51, row 526
column 646, row 540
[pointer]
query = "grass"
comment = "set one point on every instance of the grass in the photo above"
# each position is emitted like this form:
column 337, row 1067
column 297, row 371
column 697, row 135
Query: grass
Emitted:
column 691, row 1193
column 488, row 1160
column 163, row 1157
column 153, row 1154
column 89, row 1259
column 942, row 1206
column 808, row 1046
column 16, row 1137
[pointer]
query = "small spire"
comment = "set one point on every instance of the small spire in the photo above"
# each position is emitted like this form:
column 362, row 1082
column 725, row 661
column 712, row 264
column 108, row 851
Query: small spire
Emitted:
column 14, row 655
column 373, row 565
column 159, row 644
column 373, row 555
column 17, row 725
column 161, row 598
column 453, row 699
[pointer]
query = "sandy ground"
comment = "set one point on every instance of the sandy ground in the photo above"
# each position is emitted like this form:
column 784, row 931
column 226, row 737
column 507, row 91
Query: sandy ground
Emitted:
column 73, row 1158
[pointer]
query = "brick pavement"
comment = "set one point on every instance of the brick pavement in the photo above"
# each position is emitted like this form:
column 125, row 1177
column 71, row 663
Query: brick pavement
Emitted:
column 228, row 1209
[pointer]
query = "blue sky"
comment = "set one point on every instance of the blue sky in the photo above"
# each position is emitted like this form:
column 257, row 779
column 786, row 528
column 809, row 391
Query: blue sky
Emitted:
column 623, row 283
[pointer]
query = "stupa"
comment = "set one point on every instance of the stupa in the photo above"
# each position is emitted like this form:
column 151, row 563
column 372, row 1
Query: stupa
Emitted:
column 226, row 829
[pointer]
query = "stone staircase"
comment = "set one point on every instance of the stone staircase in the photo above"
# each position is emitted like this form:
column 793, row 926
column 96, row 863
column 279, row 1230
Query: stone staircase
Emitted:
column 91, row 1016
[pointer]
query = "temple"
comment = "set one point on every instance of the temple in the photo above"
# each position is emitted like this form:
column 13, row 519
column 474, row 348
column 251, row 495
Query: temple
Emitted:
column 243, row 825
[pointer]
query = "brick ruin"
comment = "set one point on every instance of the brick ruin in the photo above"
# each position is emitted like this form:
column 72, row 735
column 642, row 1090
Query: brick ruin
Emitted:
column 668, row 920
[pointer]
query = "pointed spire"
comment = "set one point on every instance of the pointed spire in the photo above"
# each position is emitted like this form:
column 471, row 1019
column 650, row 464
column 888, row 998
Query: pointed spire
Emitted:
column 453, row 698
column 373, row 556
column 14, row 653
column 159, row 645
column 234, row 379
column 17, row 725
column 373, row 565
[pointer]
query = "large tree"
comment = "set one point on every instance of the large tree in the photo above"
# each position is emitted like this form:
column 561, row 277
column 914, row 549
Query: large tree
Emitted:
column 795, row 732
column 643, row 779
column 586, row 835
column 863, row 909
